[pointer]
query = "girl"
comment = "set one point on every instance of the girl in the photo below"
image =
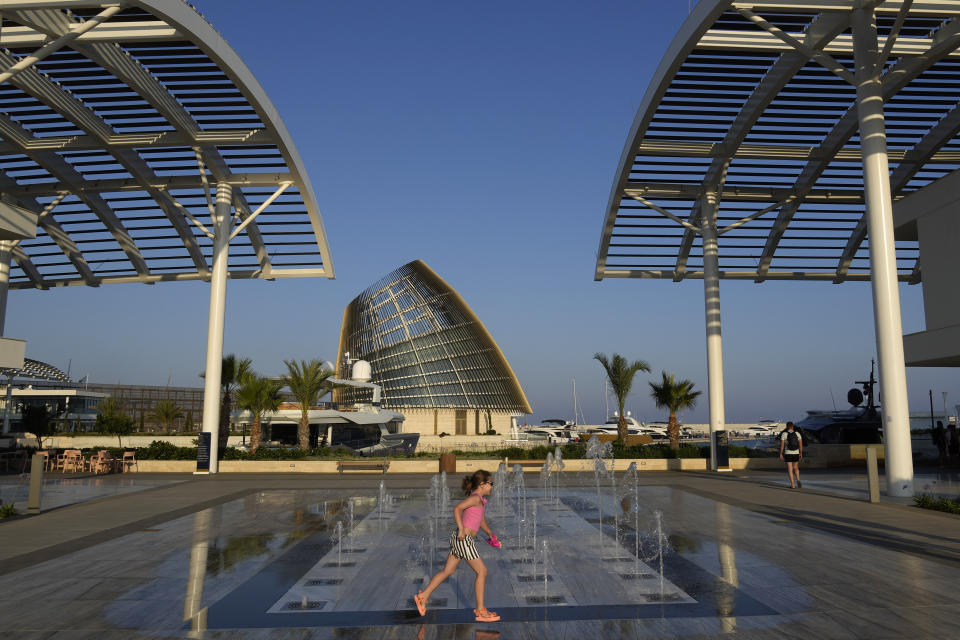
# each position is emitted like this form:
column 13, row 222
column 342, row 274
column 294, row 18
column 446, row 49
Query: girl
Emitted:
column 469, row 517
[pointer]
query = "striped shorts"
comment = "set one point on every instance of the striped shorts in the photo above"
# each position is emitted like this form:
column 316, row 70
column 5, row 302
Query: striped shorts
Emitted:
column 465, row 549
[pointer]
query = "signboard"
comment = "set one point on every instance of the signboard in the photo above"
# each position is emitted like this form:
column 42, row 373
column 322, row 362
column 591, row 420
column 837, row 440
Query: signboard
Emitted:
column 203, row 451
column 721, row 443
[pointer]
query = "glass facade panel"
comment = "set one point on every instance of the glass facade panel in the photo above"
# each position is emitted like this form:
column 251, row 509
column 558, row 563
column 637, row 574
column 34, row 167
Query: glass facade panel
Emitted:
column 426, row 347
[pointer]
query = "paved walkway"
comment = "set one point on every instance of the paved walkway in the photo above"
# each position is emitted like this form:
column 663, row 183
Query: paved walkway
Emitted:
column 30, row 539
column 246, row 557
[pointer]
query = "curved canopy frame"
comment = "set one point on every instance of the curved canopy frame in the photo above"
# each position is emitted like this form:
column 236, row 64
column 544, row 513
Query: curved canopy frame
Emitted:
column 117, row 123
column 755, row 102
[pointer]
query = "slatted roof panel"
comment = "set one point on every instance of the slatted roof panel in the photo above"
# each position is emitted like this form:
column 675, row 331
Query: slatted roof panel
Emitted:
column 119, row 137
column 733, row 109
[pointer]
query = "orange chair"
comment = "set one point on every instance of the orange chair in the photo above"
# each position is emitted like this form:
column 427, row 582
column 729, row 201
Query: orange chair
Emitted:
column 73, row 461
column 129, row 461
column 103, row 462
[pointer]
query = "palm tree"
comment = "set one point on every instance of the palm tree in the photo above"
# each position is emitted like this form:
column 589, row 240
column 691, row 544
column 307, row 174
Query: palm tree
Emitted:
column 232, row 371
column 165, row 412
column 620, row 374
column 674, row 396
column 258, row 395
column 308, row 381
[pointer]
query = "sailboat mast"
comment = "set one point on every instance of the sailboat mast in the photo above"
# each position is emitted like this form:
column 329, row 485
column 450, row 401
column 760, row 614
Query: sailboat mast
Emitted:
column 606, row 401
column 575, row 401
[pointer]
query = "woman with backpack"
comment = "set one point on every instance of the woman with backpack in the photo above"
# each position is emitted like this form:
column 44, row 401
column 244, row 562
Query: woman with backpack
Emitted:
column 791, row 451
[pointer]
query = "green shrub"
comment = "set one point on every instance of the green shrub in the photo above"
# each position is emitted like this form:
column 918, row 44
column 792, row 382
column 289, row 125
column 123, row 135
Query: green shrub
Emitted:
column 926, row 501
column 162, row 450
column 7, row 511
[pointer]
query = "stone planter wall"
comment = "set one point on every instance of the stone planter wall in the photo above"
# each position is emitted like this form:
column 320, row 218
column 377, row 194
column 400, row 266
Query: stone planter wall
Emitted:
column 464, row 466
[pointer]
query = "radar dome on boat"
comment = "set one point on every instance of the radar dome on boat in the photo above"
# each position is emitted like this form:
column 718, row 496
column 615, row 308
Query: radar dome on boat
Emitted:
column 361, row 371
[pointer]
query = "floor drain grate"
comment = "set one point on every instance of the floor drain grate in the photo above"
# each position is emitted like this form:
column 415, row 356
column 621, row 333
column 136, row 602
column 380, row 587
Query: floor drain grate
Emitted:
column 534, row 578
column 305, row 605
column 322, row 582
column 663, row 597
column 627, row 559
column 637, row 576
column 549, row 600
column 523, row 560
column 433, row 602
column 339, row 564
column 357, row 550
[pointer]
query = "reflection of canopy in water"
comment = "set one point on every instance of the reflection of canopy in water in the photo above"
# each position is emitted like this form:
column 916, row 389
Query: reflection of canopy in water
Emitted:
column 772, row 136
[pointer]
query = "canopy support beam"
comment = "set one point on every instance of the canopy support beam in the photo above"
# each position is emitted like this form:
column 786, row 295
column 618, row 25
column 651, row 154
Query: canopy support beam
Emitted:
column 883, row 263
column 59, row 43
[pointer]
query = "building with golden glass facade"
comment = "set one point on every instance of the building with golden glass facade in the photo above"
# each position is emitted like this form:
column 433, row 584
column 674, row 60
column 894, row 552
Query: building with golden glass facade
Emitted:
column 434, row 359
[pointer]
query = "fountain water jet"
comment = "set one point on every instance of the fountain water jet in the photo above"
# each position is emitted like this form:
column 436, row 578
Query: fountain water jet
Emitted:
column 500, row 481
column 558, row 463
column 349, row 515
column 338, row 532
column 521, row 504
column 545, row 472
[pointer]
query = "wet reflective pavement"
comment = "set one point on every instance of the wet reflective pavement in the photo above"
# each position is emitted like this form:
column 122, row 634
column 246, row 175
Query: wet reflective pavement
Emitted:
column 936, row 482
column 60, row 490
column 275, row 563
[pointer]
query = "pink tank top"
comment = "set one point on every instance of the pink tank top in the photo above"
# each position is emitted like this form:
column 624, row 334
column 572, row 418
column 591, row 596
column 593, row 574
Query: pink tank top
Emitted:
column 473, row 516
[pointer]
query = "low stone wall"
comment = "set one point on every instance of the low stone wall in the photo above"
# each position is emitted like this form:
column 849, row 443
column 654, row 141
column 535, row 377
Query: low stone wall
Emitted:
column 464, row 465
column 840, row 455
column 87, row 442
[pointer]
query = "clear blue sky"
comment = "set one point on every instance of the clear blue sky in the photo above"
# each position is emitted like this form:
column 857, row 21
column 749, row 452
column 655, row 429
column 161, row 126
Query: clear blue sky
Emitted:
column 481, row 138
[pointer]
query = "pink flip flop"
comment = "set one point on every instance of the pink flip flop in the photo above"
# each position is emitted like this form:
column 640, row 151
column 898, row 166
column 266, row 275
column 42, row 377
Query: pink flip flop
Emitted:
column 421, row 604
column 483, row 615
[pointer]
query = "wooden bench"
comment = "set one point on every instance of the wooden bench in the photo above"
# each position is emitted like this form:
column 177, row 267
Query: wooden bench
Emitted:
column 363, row 465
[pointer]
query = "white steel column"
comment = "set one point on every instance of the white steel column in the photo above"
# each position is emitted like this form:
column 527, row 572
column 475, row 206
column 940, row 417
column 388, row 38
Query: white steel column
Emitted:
column 6, row 251
column 711, row 295
column 218, row 296
column 883, row 264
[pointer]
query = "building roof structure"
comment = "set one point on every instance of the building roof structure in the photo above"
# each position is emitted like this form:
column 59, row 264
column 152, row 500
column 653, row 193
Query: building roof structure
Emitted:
column 426, row 347
column 36, row 370
column 755, row 102
column 118, row 122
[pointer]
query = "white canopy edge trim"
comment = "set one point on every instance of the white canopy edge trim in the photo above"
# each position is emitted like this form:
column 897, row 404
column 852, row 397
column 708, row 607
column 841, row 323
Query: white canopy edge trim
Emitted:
column 665, row 274
column 153, row 278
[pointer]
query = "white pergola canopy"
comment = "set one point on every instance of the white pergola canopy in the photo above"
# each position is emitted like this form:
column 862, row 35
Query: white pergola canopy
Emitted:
column 773, row 137
column 147, row 150
column 756, row 102
column 117, row 123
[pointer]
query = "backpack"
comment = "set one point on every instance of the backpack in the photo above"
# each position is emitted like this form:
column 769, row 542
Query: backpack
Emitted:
column 793, row 440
